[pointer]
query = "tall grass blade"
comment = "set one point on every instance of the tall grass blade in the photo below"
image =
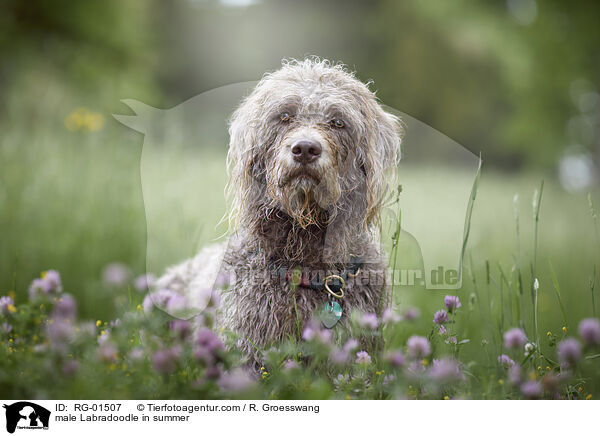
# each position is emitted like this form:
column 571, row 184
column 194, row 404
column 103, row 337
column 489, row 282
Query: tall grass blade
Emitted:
column 469, row 214
column 557, row 290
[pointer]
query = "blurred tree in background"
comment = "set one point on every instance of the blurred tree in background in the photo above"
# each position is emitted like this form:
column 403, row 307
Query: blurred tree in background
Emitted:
column 517, row 79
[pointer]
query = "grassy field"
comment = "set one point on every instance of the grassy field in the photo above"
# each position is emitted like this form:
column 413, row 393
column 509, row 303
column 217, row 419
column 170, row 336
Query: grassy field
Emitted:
column 72, row 201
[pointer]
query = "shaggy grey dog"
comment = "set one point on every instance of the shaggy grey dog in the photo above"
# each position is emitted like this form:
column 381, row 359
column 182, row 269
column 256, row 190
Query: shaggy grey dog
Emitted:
column 311, row 152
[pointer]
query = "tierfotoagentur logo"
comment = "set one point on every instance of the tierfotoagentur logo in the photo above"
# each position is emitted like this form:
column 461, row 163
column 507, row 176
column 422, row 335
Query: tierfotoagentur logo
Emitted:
column 26, row 415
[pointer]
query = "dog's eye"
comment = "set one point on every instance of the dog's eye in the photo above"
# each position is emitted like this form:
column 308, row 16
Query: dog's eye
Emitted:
column 285, row 117
column 338, row 123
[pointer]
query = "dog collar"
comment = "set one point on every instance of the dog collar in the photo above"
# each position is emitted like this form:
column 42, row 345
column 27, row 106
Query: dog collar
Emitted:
column 334, row 284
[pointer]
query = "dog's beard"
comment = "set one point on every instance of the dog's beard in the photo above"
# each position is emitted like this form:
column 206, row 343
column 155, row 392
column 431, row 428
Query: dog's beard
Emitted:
column 306, row 196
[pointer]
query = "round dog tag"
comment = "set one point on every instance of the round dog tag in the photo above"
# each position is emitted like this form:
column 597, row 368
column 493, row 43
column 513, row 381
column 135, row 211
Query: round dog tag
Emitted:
column 331, row 314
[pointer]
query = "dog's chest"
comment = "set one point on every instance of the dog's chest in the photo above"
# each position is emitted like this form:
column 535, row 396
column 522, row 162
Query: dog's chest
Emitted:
column 270, row 302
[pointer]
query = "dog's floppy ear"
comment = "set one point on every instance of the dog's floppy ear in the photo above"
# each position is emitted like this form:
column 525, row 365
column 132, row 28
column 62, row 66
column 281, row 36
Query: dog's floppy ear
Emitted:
column 243, row 143
column 382, row 157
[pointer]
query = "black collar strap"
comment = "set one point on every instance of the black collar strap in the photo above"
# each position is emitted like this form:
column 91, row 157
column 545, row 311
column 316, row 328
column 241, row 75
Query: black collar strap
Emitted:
column 334, row 284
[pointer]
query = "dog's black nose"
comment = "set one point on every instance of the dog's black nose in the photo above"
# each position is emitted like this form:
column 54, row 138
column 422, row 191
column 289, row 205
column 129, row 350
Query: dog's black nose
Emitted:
column 306, row 151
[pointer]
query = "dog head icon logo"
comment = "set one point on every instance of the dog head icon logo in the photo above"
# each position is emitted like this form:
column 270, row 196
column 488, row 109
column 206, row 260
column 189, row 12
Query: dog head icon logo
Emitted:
column 24, row 414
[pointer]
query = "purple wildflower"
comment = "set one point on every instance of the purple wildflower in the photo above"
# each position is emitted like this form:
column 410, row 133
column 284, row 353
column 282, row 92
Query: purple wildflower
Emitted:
column 395, row 358
column 351, row 344
column 390, row 317
column 505, row 361
column 103, row 338
column 206, row 338
column 339, row 356
column 144, row 282
column 531, row 390
column 363, row 358
column 445, row 371
column 116, row 274
column 452, row 302
column 37, row 288
column 442, row 331
column 107, row 352
column 514, row 374
column 203, row 355
column 388, row 379
column 451, row 340
column 411, row 314
column 589, row 330
column 418, row 346
column 52, row 277
column 65, row 307
column 60, row 332
column 6, row 304
column 49, row 284
column 340, row 381
column 137, row 354
column 6, row 328
column 165, row 361
column 515, row 338
column 569, row 351
column 440, row 317
column 176, row 303
column 308, row 334
column 313, row 332
column 236, row 380
column 180, row 328
column 369, row 320
column 162, row 299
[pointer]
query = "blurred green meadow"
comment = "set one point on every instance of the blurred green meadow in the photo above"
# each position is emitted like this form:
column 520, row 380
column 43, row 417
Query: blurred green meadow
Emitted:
column 72, row 200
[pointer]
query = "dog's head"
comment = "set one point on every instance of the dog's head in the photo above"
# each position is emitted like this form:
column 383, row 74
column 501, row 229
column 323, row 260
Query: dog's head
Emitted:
column 312, row 140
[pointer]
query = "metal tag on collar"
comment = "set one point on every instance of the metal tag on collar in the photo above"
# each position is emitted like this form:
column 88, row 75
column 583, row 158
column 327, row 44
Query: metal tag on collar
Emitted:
column 331, row 314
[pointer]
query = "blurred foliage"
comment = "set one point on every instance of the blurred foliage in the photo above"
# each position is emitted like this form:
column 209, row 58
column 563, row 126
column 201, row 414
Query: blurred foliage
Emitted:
column 516, row 79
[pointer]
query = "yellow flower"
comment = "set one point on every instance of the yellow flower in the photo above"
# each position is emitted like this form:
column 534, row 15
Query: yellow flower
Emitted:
column 547, row 368
column 83, row 119
column 500, row 382
column 424, row 362
column 44, row 273
column 139, row 307
column 98, row 323
column 12, row 308
column 589, row 397
column 549, row 334
column 348, row 397
column 564, row 329
column 580, row 389
column 446, row 397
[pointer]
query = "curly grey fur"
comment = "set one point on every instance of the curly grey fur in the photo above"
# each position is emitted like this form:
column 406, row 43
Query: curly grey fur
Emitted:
column 285, row 216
